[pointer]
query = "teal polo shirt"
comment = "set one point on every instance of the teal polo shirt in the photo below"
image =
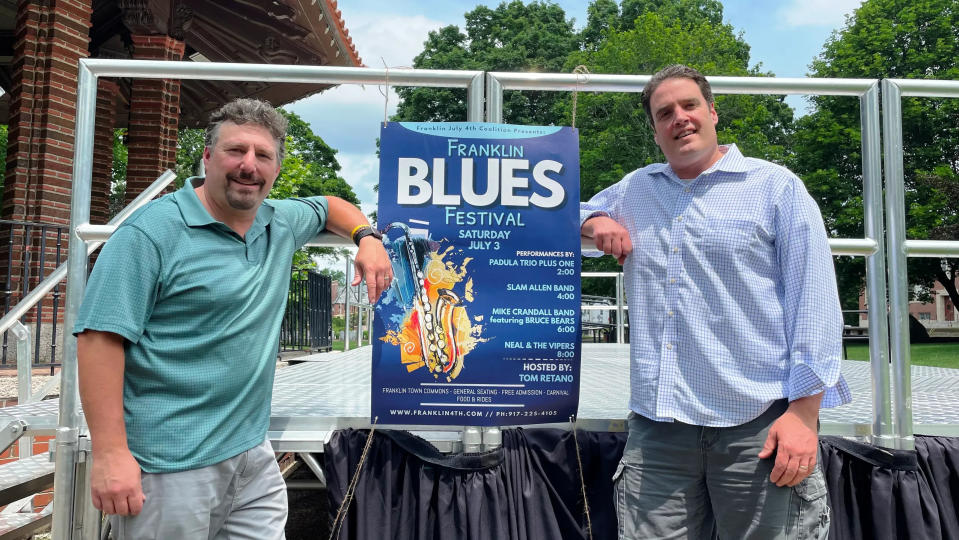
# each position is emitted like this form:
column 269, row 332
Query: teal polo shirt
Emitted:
column 200, row 309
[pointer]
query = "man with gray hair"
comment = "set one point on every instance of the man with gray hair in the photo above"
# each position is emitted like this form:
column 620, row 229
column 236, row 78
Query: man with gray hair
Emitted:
column 735, row 332
column 178, row 333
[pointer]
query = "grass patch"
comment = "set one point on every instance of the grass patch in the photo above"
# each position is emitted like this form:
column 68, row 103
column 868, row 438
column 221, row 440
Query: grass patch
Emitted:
column 921, row 354
column 338, row 343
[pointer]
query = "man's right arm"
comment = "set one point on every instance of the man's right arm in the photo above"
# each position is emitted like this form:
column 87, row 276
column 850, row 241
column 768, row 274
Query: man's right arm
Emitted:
column 611, row 238
column 115, row 477
column 597, row 218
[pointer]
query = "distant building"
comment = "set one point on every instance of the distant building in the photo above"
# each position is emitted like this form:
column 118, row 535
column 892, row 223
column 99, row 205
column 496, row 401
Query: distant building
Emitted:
column 940, row 313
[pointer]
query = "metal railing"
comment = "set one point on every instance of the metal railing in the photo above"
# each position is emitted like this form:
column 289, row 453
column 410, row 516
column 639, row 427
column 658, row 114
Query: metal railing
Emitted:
column 871, row 246
column 898, row 246
column 619, row 307
column 307, row 323
column 53, row 280
column 67, row 441
column 66, row 493
column 37, row 246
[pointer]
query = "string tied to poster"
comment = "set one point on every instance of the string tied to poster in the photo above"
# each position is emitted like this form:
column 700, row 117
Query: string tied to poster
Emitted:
column 582, row 77
column 342, row 511
column 582, row 478
column 386, row 92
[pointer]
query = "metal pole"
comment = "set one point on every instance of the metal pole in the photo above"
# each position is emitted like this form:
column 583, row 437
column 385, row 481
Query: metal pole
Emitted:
column 223, row 71
column 369, row 337
column 346, row 306
column 359, row 319
column 620, row 312
column 67, row 433
column 597, row 82
column 24, row 383
column 898, row 281
column 313, row 465
column 494, row 99
column 87, row 524
column 474, row 98
column 882, row 424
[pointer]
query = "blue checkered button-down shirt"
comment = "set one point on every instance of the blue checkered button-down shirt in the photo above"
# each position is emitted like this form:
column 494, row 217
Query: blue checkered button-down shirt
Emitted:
column 731, row 289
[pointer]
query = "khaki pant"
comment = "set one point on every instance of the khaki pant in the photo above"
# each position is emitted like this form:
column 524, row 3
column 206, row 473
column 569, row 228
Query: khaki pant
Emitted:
column 681, row 481
column 243, row 497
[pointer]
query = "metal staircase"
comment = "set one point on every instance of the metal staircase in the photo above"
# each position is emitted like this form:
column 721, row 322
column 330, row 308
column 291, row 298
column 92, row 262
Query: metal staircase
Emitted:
column 19, row 482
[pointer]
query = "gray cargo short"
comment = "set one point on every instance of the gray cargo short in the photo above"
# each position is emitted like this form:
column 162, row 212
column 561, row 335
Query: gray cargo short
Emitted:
column 682, row 481
column 243, row 497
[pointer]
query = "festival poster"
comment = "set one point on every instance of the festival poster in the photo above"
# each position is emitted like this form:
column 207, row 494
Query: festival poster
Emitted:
column 481, row 325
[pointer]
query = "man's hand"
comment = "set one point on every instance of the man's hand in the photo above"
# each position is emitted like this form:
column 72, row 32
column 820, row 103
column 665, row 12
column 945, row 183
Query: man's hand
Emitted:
column 372, row 264
column 611, row 238
column 115, row 483
column 795, row 439
column 115, row 476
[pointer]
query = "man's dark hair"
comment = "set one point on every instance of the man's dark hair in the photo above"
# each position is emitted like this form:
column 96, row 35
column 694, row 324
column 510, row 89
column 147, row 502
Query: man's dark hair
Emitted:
column 675, row 71
column 249, row 111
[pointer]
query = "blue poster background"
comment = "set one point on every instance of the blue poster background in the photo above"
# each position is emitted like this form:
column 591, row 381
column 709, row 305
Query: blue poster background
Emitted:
column 481, row 325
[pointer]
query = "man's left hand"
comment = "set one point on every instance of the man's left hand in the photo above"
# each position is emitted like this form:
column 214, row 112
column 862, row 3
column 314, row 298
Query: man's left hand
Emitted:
column 372, row 264
column 795, row 440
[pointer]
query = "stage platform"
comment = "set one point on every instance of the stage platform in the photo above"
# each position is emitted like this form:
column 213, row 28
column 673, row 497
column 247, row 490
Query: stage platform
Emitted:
column 330, row 391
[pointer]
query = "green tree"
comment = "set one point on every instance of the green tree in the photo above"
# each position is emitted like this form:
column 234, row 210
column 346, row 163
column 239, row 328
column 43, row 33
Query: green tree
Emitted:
column 641, row 38
column 912, row 39
column 118, row 172
column 604, row 16
column 512, row 37
column 189, row 153
column 314, row 162
column 634, row 37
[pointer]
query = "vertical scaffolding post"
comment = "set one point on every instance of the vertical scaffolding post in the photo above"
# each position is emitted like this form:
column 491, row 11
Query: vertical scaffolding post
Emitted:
column 882, row 427
column 346, row 304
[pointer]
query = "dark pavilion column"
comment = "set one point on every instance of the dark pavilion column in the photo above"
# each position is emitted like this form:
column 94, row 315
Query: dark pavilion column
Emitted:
column 154, row 113
column 51, row 37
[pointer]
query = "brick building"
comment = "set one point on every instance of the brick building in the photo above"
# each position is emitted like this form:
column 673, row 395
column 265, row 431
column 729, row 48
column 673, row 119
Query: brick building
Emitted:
column 940, row 316
column 41, row 42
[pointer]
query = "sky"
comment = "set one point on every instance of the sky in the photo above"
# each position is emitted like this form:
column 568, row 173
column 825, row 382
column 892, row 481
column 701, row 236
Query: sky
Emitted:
column 784, row 36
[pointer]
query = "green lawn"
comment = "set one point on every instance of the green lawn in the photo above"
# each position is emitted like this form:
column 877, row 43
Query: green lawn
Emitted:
column 922, row 354
column 338, row 343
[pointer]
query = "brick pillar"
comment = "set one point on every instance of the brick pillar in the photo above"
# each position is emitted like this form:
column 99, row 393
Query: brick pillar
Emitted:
column 154, row 110
column 107, row 92
column 51, row 36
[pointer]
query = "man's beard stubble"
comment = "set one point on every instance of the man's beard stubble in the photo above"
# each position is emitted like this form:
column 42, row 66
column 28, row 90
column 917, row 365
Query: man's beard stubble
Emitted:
column 244, row 201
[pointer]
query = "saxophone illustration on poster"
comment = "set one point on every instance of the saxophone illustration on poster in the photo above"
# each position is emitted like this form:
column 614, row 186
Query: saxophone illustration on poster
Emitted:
column 481, row 325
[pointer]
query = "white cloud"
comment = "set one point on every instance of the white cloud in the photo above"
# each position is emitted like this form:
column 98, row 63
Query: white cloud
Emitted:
column 829, row 13
column 362, row 172
column 392, row 38
column 348, row 117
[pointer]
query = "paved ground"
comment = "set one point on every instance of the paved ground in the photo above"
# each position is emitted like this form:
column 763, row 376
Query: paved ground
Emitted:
column 8, row 383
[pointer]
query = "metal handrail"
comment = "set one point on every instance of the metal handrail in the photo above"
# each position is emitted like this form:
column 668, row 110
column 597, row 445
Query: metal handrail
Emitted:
column 472, row 81
column 931, row 248
column 55, row 277
column 871, row 247
column 898, row 246
column 89, row 70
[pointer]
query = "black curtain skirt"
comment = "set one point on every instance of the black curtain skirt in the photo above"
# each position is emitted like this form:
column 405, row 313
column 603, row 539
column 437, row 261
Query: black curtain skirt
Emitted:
column 530, row 488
